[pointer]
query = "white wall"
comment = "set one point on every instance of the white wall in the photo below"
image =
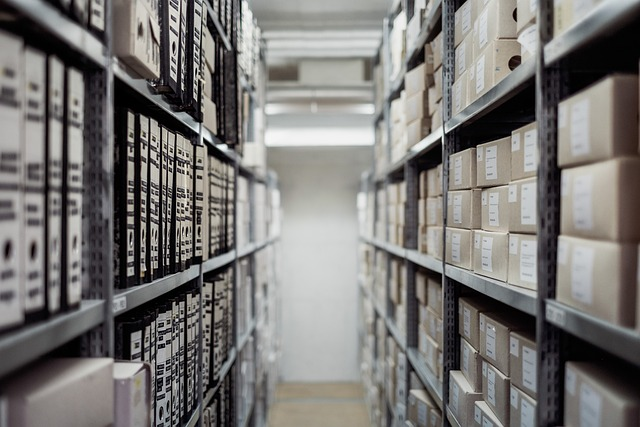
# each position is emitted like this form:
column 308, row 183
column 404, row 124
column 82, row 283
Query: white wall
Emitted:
column 319, row 258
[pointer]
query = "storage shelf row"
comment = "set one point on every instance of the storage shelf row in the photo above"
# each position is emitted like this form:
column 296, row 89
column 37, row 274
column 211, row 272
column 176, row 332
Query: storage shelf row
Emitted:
column 420, row 259
column 224, row 371
column 218, row 26
column 426, row 376
column 27, row 344
column 427, row 30
column 218, row 262
column 428, row 143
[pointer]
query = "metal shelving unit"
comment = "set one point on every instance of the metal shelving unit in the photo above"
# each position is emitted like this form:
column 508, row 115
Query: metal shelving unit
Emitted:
column 218, row 262
column 427, row 144
column 426, row 376
column 224, row 371
column 424, row 260
column 218, row 26
column 427, row 32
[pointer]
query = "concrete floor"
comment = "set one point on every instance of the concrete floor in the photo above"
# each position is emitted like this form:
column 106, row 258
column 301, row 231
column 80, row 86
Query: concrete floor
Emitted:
column 319, row 405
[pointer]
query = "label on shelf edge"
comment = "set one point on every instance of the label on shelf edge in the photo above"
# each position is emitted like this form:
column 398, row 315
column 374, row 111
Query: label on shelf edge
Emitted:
column 556, row 315
column 119, row 304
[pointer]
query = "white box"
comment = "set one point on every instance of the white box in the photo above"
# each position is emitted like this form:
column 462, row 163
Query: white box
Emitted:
column 132, row 402
column 523, row 260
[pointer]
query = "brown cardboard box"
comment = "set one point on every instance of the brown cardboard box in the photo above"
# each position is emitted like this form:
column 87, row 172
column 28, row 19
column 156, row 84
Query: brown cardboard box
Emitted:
column 462, row 170
column 418, row 408
column 495, row 209
column 434, row 292
column 435, row 242
column 496, row 391
column 421, row 287
column 469, row 310
column 493, row 161
column 422, row 211
column 432, row 355
column 523, row 209
column 464, row 209
column 483, row 416
column 459, row 248
column 497, row 20
column 583, row 139
column 434, row 211
column 434, row 102
column 471, row 365
column 602, row 201
column 603, row 396
column 490, row 254
column 461, row 398
column 397, row 109
column 527, row 11
column 459, row 93
column 463, row 21
column 435, row 181
column 416, row 106
column 523, row 362
column 437, row 47
column 494, row 64
column 524, row 152
column 523, row 260
column 417, row 80
column 464, row 56
column 436, row 116
column 424, row 185
column 495, row 330
column 523, row 409
column 599, row 278
column 417, row 130
column 422, row 239
column 434, row 327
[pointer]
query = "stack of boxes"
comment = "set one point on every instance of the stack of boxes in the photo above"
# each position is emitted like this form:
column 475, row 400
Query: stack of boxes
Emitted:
column 422, row 411
column 433, row 54
column 430, row 212
column 598, row 245
column 497, row 383
column 397, row 199
column 430, row 329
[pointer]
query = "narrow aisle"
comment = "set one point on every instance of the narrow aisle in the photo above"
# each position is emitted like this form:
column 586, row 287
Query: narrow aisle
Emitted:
column 319, row 405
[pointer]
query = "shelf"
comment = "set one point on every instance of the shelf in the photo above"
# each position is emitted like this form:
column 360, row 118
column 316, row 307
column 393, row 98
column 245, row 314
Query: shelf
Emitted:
column 452, row 418
column 211, row 139
column 255, row 247
column 62, row 27
column 402, row 341
column 426, row 376
column 427, row 31
column 392, row 249
column 218, row 262
column 244, row 338
column 224, row 371
column 142, row 88
column 620, row 341
column 424, row 260
column 195, row 417
column 216, row 23
column 28, row 343
column 605, row 19
column 521, row 78
column 129, row 299
column 428, row 143
column 518, row 298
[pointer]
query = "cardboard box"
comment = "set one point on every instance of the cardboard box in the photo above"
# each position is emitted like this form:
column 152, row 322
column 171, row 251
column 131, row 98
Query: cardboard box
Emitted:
column 497, row 20
column 423, row 184
column 469, row 310
column 523, row 208
column 435, row 181
column 459, row 247
column 495, row 330
column 523, row 362
column 132, row 383
column 421, row 287
column 490, row 254
column 434, row 327
column 606, row 397
column 137, row 40
column 422, row 212
column 494, row 64
column 464, row 56
column 462, row 170
column 495, row 209
column 463, row 21
column 436, row 116
column 417, row 131
column 599, row 278
column 210, row 114
column 460, row 94
column 523, row 260
column 461, row 398
column 434, row 211
column 417, row 80
column 471, row 365
column 602, row 201
column 524, row 152
column 435, row 242
column 464, row 209
column 523, row 409
column 43, row 394
column 583, row 139
column 483, row 416
column 496, row 391
column 432, row 355
column 437, row 47
column 527, row 13
column 416, row 106
column 434, row 292
column 493, row 161
column 435, row 103
column 419, row 405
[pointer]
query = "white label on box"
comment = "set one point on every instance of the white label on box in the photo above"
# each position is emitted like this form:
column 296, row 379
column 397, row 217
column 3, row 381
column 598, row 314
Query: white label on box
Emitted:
column 580, row 144
column 514, row 398
column 528, row 39
column 562, row 114
column 465, row 359
column 457, row 170
column 529, row 261
column 515, row 142
column 527, row 414
column 482, row 30
column 476, row 241
column 477, row 415
column 590, row 406
column 455, row 396
column 486, row 422
column 528, row 197
column 491, row 387
column 513, row 244
column 514, row 346
column 462, row 56
column 582, row 202
column 582, row 274
column 513, row 193
column 422, row 414
column 458, row 97
column 491, row 163
column 480, row 74
column 466, row 17
column 455, row 246
column 494, row 211
column 563, row 252
column 487, row 253
column 529, row 365
column 485, row 199
column 570, row 382
column 467, row 322
column 480, row 154
column 530, row 150
column 457, row 209
column 491, row 341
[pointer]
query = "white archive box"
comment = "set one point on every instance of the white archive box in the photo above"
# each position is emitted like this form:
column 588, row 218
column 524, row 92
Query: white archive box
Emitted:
column 495, row 209
column 523, row 260
column 523, row 214
column 11, row 199
column 524, row 152
column 132, row 394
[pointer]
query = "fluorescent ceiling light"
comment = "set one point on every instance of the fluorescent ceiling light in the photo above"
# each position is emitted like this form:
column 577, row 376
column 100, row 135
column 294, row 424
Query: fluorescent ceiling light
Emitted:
column 318, row 108
column 319, row 137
